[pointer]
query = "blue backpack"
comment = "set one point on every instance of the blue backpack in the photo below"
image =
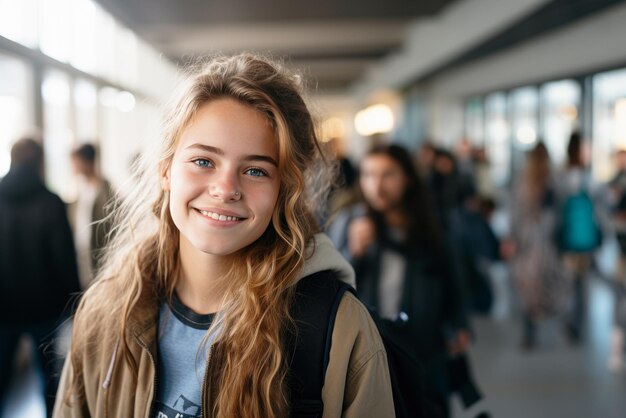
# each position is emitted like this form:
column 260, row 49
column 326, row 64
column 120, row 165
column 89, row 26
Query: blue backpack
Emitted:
column 579, row 230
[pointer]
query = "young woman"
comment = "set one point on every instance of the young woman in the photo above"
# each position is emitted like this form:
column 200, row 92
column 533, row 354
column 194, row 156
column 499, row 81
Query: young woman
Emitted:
column 535, row 265
column 189, row 315
column 403, row 270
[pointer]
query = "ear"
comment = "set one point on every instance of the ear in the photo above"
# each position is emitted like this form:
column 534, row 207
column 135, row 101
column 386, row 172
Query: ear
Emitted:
column 165, row 180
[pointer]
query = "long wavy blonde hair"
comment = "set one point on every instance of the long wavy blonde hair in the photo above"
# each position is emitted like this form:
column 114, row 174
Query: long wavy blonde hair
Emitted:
column 142, row 261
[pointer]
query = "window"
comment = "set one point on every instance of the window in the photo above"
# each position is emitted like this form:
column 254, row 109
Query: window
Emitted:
column 86, row 111
column 58, row 135
column 474, row 121
column 15, row 106
column 497, row 138
column 560, row 101
column 609, row 115
column 524, row 105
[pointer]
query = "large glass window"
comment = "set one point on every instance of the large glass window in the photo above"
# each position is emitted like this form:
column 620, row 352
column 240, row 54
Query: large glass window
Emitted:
column 15, row 106
column 105, row 45
column 524, row 110
column 120, row 130
column 86, row 111
column 475, row 121
column 126, row 57
column 609, row 119
column 58, row 134
column 497, row 137
column 560, row 101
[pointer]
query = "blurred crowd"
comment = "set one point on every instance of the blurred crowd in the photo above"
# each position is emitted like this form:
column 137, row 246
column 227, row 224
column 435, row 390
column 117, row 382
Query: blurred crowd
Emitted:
column 419, row 231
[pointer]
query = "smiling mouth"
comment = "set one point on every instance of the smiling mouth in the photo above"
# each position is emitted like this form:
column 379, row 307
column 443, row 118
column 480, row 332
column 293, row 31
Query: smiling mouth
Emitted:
column 218, row 217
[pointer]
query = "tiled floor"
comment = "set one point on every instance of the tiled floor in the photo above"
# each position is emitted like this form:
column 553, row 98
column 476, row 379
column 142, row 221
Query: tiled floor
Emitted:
column 556, row 380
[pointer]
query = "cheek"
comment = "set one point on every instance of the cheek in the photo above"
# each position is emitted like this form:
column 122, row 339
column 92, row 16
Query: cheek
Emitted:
column 396, row 188
column 367, row 186
column 266, row 205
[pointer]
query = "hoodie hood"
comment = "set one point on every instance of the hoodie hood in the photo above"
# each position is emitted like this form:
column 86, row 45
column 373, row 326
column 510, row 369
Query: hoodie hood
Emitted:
column 21, row 184
column 322, row 255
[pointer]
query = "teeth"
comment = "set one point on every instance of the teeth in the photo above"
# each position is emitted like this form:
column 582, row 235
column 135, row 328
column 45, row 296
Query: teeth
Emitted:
column 219, row 217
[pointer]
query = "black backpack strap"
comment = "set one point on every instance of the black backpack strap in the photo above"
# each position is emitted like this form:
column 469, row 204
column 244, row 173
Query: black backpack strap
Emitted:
column 314, row 310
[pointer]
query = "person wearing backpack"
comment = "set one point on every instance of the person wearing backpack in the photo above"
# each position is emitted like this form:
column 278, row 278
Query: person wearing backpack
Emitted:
column 579, row 233
column 403, row 269
column 617, row 204
column 194, row 311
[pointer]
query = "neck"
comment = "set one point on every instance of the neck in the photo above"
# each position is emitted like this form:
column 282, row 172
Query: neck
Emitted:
column 395, row 218
column 91, row 178
column 200, row 287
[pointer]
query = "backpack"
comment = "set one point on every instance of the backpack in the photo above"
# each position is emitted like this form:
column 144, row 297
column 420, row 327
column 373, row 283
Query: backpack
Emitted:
column 314, row 311
column 579, row 230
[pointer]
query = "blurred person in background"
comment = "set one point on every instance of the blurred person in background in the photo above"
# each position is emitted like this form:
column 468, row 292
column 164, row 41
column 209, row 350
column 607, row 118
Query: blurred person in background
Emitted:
column 483, row 179
column 449, row 187
column 89, row 214
column 579, row 231
column 38, row 272
column 535, row 264
column 617, row 204
column 425, row 160
column 403, row 268
column 343, row 192
column 464, row 157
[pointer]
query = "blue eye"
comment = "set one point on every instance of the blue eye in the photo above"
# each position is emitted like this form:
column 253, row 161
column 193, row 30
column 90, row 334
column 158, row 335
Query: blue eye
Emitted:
column 200, row 162
column 256, row 172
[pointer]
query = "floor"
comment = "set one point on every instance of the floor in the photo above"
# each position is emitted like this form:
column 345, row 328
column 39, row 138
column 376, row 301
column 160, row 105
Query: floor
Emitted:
column 555, row 380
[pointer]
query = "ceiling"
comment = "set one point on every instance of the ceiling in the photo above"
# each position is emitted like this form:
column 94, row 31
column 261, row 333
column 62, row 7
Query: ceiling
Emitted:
column 332, row 41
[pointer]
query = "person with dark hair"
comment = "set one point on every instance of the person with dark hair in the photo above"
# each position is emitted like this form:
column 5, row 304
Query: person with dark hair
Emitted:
column 38, row 272
column 403, row 267
column 579, row 231
column 90, row 212
column 449, row 187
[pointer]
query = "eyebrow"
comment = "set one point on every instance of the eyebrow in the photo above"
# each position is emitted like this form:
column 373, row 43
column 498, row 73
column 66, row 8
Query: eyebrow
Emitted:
column 218, row 151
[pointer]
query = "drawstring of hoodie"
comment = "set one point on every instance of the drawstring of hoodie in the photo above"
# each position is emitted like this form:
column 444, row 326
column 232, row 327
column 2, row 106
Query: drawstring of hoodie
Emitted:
column 107, row 379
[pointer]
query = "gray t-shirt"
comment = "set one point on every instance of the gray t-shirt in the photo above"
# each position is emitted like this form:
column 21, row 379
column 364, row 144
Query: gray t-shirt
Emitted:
column 182, row 360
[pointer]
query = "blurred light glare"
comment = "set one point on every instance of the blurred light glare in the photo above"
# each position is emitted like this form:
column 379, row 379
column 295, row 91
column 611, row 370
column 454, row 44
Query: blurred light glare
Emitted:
column 568, row 112
column 108, row 96
column 55, row 90
column 499, row 129
column 125, row 101
column 375, row 119
column 526, row 135
column 620, row 110
column 85, row 94
column 333, row 128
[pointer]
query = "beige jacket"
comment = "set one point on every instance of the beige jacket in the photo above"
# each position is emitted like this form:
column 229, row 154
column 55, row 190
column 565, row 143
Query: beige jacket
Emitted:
column 357, row 381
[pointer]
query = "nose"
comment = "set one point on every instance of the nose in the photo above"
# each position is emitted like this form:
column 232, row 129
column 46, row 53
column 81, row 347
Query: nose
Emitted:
column 225, row 187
